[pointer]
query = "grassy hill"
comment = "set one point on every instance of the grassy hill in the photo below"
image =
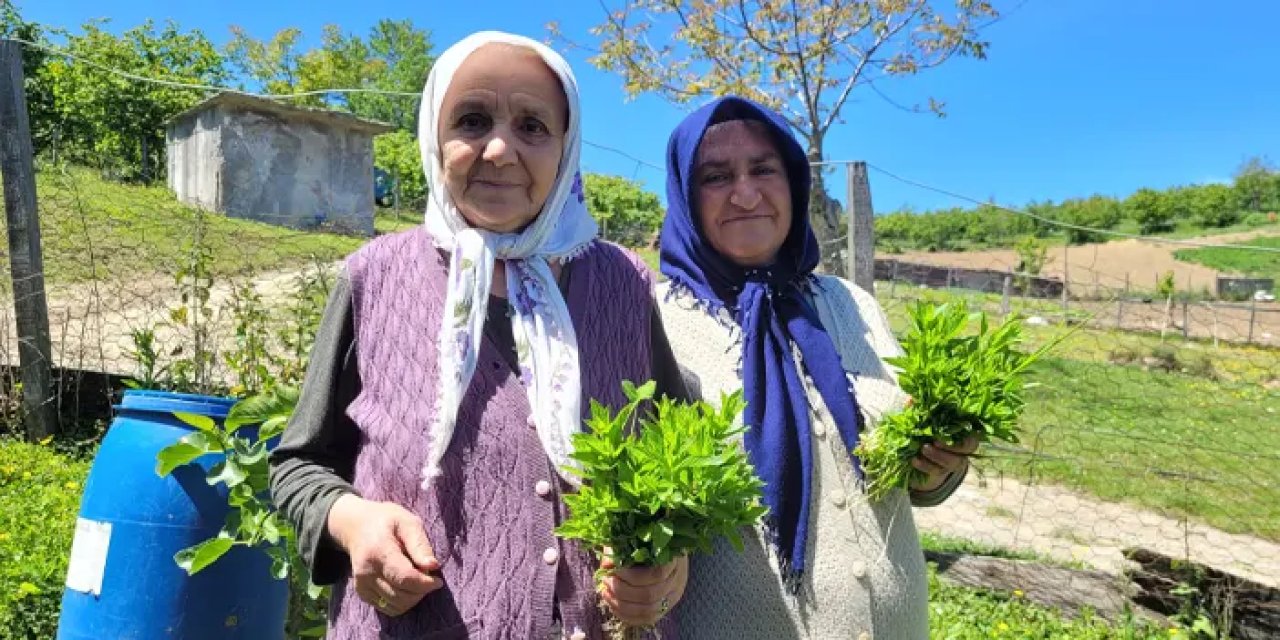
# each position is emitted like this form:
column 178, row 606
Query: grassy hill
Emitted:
column 93, row 229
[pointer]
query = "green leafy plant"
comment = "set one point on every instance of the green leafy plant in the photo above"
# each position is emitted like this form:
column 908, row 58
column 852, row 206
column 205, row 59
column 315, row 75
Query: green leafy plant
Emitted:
column 961, row 385
column 243, row 442
column 661, row 486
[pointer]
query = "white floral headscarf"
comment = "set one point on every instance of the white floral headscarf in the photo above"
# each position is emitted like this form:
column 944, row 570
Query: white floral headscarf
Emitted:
column 546, row 344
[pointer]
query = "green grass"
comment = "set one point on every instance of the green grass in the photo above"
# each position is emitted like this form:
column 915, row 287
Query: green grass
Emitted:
column 1171, row 442
column 959, row 613
column 1238, row 261
column 39, row 499
column 94, row 229
column 386, row 221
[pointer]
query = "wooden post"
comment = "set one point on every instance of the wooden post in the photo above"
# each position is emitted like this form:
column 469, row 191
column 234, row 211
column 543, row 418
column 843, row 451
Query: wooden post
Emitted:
column 1004, row 297
column 1120, row 305
column 1253, row 314
column 1186, row 325
column 25, row 260
column 862, row 230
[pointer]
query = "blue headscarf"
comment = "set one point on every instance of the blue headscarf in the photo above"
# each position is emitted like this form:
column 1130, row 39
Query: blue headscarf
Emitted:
column 773, row 312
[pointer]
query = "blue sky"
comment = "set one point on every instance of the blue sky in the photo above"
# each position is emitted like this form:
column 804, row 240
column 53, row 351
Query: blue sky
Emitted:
column 1077, row 96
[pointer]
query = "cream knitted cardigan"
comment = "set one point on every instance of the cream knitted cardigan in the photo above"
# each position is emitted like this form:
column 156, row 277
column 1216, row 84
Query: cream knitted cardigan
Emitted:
column 866, row 573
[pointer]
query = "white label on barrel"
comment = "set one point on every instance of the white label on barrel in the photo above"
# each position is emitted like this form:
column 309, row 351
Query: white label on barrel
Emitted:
column 88, row 556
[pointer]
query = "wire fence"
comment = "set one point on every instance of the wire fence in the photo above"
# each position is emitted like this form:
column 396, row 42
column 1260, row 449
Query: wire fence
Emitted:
column 1156, row 425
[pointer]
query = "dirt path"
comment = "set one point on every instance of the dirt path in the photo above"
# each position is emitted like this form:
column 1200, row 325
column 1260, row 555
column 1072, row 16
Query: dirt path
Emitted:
column 91, row 324
column 1100, row 265
column 1071, row 527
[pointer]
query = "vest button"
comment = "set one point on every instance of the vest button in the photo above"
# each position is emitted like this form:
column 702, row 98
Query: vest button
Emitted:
column 542, row 488
column 551, row 555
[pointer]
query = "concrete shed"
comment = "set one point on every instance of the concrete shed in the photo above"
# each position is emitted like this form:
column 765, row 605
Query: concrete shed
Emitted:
column 263, row 160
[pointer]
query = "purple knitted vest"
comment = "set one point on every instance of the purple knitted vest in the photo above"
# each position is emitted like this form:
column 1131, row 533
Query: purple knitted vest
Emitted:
column 504, row 570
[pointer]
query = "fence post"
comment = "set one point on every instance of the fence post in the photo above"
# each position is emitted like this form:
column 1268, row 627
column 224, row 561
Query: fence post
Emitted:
column 1253, row 314
column 25, row 260
column 1066, row 280
column 893, row 279
column 1004, row 297
column 1120, row 306
column 1186, row 325
column 862, row 230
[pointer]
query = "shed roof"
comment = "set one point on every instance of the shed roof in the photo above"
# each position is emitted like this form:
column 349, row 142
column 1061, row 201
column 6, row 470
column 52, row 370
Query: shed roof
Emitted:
column 326, row 117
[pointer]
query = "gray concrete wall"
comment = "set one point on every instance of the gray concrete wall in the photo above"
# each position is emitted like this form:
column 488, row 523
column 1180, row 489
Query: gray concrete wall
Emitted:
column 295, row 174
column 194, row 160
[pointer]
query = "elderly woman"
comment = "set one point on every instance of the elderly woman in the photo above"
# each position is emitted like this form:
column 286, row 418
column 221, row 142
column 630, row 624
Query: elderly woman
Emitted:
column 744, row 310
column 423, row 466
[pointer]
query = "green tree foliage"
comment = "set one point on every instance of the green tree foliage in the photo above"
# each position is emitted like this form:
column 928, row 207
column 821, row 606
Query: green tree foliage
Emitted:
column 1154, row 211
column 1257, row 186
column 114, row 123
column 397, row 154
column 1213, row 205
column 1095, row 212
column 627, row 213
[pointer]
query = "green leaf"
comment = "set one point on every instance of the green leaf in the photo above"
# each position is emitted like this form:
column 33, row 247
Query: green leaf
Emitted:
column 203, row 423
column 194, row 559
column 227, row 472
column 184, row 451
column 262, row 407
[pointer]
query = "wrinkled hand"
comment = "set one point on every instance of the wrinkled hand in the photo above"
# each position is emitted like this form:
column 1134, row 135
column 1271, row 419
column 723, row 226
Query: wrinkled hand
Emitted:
column 641, row 596
column 939, row 460
column 392, row 562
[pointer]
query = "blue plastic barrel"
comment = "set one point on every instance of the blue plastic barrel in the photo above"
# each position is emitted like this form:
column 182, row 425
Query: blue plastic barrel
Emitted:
column 122, row 581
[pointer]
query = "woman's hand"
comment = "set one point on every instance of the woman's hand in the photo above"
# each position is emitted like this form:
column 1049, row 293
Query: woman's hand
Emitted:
column 939, row 460
column 641, row 596
column 391, row 559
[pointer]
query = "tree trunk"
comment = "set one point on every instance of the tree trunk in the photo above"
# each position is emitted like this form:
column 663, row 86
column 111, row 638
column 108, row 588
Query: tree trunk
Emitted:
column 824, row 215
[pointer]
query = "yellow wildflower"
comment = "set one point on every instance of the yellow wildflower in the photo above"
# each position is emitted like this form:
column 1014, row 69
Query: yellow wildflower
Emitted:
column 1017, row 593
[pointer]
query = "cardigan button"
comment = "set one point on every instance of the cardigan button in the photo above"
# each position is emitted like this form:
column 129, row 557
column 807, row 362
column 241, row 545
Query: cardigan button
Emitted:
column 858, row 568
column 838, row 500
column 531, row 421
column 542, row 488
column 864, row 636
column 551, row 555
column 578, row 634
column 819, row 429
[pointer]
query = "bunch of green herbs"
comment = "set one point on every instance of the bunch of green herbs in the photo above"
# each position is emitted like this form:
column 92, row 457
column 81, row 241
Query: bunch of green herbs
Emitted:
column 661, row 485
column 961, row 384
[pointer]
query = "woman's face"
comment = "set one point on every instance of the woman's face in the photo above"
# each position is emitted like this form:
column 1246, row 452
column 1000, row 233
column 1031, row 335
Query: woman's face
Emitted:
column 742, row 192
column 502, row 127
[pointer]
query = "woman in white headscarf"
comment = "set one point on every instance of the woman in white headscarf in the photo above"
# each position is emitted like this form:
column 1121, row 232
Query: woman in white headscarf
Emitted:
column 424, row 465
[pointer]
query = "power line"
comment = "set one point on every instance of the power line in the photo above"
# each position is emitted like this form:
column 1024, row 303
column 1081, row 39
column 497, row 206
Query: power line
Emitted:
column 1068, row 225
column 623, row 154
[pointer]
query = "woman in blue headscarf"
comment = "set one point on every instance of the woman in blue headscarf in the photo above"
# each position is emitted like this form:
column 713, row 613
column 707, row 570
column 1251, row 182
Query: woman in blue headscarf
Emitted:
column 744, row 309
